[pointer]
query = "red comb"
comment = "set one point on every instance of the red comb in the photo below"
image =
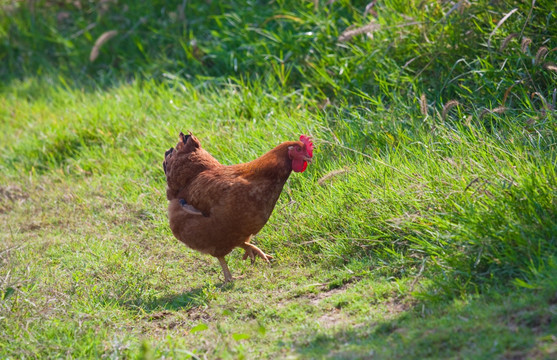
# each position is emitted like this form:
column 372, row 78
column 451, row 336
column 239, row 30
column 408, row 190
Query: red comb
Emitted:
column 309, row 145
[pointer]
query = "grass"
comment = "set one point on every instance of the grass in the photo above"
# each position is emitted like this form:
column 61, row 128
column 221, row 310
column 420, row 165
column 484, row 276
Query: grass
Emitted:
column 424, row 229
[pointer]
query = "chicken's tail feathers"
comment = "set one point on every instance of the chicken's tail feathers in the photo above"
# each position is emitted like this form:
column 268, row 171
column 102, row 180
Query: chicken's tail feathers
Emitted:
column 167, row 155
column 183, row 140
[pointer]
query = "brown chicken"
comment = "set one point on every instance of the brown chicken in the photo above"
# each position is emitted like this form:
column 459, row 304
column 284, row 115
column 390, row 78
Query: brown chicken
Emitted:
column 215, row 208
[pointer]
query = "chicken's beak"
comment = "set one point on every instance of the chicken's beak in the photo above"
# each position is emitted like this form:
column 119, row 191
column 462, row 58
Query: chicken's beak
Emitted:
column 308, row 159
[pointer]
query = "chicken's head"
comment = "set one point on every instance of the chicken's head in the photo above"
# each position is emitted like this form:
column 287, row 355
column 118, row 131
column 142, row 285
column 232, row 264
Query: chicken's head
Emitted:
column 301, row 154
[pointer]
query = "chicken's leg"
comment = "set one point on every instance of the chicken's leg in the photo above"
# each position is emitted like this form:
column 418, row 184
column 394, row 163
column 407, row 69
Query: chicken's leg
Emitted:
column 225, row 270
column 252, row 251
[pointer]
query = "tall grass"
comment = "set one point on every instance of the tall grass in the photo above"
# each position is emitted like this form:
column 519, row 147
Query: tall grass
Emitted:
column 326, row 49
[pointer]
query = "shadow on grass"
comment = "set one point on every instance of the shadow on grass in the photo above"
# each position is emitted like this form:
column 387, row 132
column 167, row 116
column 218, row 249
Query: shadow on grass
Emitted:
column 513, row 325
column 181, row 301
column 194, row 298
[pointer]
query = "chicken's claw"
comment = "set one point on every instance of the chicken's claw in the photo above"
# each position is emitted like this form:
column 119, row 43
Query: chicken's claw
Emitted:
column 252, row 251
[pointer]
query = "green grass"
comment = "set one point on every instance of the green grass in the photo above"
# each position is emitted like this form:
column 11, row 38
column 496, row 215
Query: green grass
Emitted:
column 423, row 229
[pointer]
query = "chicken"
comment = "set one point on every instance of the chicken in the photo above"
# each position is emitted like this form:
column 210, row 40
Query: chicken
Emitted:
column 214, row 208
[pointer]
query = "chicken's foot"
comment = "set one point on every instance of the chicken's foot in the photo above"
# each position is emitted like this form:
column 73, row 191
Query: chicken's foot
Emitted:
column 225, row 270
column 252, row 251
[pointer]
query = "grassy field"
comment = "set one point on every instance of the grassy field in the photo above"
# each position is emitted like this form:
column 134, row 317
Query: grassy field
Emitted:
column 426, row 227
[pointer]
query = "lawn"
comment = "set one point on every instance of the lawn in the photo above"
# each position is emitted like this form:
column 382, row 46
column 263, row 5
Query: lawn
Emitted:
column 426, row 227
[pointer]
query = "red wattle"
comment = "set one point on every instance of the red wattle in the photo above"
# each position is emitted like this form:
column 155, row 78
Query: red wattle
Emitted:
column 299, row 165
